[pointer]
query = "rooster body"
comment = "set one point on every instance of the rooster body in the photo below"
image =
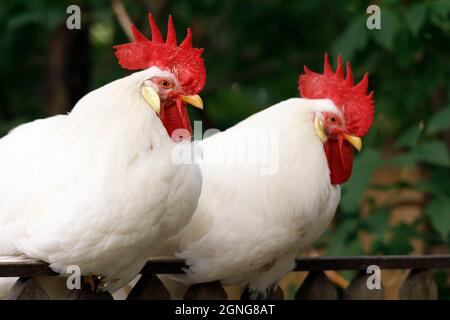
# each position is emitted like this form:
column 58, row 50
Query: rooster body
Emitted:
column 249, row 233
column 99, row 188
column 95, row 188
column 249, row 226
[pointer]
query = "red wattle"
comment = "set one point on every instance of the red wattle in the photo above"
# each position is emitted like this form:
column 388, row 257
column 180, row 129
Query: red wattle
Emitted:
column 340, row 160
column 176, row 117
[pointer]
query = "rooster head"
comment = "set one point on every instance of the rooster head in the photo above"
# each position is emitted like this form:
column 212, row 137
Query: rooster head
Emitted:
column 340, row 130
column 180, row 74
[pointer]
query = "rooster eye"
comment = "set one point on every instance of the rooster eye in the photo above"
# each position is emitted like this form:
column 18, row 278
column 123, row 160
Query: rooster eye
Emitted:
column 333, row 119
column 165, row 84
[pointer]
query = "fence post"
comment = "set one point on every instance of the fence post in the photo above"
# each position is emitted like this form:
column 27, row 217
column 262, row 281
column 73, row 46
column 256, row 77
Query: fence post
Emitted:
column 86, row 293
column 27, row 288
column 276, row 294
column 149, row 287
column 316, row 286
column 418, row 285
column 358, row 289
column 206, row 291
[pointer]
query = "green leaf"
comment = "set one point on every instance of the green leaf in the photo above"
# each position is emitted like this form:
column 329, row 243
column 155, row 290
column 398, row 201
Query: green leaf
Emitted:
column 400, row 241
column 343, row 232
column 353, row 38
column 229, row 106
column 350, row 247
column 353, row 248
column 439, row 213
column 441, row 279
column 23, row 19
column 101, row 34
column 440, row 11
column 404, row 160
column 440, row 121
column 439, row 178
column 378, row 221
column 440, row 8
column 389, row 28
column 433, row 152
column 363, row 168
column 415, row 17
column 409, row 138
column 427, row 186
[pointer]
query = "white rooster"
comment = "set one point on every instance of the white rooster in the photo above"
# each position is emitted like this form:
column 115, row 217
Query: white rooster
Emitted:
column 98, row 188
column 249, row 224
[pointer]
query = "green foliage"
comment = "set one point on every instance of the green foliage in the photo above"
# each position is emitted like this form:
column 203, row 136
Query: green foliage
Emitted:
column 438, row 212
column 408, row 59
column 354, row 38
column 363, row 168
column 439, row 122
column 415, row 17
column 409, row 138
column 391, row 24
column 377, row 223
column 441, row 279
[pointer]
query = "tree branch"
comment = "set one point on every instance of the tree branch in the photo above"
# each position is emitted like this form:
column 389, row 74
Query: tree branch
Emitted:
column 122, row 17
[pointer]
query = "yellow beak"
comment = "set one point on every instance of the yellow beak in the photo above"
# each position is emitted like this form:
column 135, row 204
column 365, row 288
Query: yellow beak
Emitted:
column 354, row 141
column 193, row 100
column 320, row 132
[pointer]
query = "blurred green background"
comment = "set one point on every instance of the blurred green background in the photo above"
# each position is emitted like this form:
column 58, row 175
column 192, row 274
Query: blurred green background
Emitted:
column 398, row 199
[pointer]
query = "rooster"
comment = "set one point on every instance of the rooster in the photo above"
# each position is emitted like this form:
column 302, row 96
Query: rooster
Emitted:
column 98, row 188
column 249, row 226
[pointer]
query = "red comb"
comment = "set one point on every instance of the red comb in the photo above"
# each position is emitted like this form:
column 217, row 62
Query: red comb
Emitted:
column 356, row 106
column 183, row 60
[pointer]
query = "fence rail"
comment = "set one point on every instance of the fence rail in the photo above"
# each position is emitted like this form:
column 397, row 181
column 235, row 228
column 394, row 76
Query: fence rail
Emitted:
column 419, row 284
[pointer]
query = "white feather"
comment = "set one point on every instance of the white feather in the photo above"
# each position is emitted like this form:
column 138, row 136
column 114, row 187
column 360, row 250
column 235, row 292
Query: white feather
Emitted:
column 96, row 188
column 249, row 226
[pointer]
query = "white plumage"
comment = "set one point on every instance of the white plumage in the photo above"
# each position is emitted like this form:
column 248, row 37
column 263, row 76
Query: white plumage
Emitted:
column 248, row 226
column 96, row 188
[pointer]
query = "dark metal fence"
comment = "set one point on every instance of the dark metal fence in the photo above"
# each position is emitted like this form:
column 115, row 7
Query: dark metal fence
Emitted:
column 419, row 283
